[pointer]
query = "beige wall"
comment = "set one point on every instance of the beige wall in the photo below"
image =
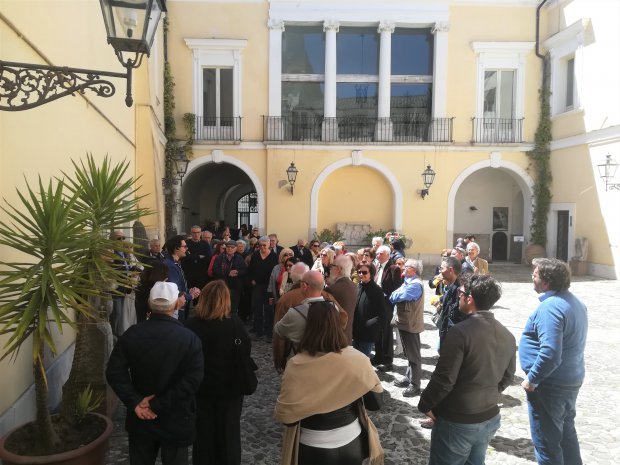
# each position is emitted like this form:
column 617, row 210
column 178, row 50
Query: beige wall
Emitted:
column 43, row 141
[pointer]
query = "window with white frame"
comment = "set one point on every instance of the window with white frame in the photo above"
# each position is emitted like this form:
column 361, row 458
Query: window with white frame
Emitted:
column 357, row 77
column 217, row 87
column 500, row 91
column 565, row 49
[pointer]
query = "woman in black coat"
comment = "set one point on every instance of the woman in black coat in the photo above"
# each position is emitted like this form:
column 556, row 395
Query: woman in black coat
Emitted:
column 218, row 431
column 370, row 310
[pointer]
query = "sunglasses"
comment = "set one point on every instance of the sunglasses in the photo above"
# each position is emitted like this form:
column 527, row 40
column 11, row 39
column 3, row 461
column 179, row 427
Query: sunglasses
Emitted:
column 362, row 272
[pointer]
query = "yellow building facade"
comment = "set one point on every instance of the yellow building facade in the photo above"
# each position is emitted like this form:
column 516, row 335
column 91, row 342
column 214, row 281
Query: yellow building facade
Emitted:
column 363, row 98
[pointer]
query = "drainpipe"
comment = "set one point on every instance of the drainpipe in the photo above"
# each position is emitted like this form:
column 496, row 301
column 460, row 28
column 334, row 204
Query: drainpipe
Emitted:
column 538, row 8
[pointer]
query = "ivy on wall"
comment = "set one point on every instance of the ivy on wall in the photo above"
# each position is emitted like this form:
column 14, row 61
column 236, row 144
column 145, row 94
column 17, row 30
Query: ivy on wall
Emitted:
column 170, row 132
column 540, row 164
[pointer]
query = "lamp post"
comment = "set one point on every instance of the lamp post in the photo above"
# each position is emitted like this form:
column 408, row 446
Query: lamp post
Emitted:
column 428, row 176
column 131, row 26
column 291, row 173
column 607, row 171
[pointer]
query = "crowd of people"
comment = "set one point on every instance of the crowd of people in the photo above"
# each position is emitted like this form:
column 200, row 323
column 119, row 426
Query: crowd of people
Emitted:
column 329, row 316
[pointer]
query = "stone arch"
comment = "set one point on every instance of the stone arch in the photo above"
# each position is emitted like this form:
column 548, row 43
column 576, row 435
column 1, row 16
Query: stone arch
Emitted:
column 217, row 156
column 356, row 159
column 525, row 182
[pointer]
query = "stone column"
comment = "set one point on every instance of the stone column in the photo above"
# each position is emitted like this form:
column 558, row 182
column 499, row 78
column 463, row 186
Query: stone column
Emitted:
column 330, row 124
column 383, row 128
column 440, row 78
column 273, row 126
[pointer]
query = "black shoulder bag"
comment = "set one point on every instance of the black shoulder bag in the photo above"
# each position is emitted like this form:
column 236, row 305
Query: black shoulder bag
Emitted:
column 245, row 380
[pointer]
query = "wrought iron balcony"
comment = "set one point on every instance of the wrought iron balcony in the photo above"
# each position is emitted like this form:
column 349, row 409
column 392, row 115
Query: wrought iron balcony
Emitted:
column 496, row 130
column 412, row 128
column 218, row 129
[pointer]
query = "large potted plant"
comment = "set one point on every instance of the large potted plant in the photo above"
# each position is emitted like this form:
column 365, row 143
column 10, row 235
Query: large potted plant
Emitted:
column 66, row 260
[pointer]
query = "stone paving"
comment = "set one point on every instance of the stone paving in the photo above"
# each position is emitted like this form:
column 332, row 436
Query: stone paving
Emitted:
column 398, row 422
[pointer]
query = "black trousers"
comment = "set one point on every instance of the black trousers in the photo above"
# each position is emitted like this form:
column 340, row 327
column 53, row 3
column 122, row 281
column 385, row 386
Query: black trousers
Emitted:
column 411, row 348
column 143, row 450
column 218, row 432
column 384, row 344
column 350, row 454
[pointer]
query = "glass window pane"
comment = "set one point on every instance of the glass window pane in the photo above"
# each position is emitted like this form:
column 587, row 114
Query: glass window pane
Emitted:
column 302, row 98
column 506, row 94
column 570, row 82
column 226, row 96
column 356, row 99
column 412, row 52
column 357, row 51
column 409, row 99
column 303, row 50
column 490, row 91
column 209, row 93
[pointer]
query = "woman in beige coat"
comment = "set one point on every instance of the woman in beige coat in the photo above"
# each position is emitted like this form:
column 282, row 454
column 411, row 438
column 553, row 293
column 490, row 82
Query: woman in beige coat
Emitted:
column 326, row 389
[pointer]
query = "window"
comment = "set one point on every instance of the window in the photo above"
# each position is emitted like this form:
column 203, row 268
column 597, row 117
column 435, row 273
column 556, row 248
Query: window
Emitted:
column 566, row 48
column 217, row 97
column 303, row 65
column 570, row 83
column 500, row 91
column 247, row 209
column 217, row 87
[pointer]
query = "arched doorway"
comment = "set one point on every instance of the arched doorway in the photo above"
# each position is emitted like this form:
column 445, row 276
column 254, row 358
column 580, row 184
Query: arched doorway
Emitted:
column 490, row 204
column 487, row 190
column 213, row 191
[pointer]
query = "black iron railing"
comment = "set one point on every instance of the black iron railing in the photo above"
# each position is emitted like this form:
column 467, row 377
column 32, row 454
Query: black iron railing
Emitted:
column 357, row 128
column 208, row 128
column 497, row 130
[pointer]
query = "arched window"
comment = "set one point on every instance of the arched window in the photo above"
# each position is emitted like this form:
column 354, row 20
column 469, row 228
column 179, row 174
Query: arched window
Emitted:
column 247, row 209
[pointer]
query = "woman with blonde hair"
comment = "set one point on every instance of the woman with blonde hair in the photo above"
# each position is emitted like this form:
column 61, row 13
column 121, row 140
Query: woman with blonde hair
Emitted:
column 277, row 274
column 219, row 399
column 325, row 261
column 325, row 391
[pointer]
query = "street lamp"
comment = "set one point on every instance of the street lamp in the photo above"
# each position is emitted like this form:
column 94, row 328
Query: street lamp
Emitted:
column 428, row 176
column 181, row 163
column 607, row 171
column 131, row 26
column 291, row 173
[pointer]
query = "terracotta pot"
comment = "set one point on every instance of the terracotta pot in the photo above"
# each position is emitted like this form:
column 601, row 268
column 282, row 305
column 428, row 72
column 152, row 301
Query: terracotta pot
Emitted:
column 533, row 251
column 92, row 453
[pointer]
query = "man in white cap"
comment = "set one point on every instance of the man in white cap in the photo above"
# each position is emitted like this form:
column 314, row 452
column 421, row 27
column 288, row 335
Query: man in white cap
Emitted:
column 156, row 368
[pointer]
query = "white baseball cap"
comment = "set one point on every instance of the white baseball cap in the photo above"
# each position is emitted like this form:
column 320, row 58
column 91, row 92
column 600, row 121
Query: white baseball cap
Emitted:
column 163, row 295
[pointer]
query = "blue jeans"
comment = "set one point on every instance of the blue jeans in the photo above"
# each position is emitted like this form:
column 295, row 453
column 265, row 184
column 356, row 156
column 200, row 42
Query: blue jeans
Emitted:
column 364, row 347
column 552, row 424
column 461, row 443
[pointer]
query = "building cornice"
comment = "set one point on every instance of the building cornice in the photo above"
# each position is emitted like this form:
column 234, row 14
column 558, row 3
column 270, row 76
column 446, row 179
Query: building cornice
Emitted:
column 599, row 136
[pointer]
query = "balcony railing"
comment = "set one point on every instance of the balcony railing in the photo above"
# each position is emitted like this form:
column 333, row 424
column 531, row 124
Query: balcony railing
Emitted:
column 497, row 130
column 355, row 128
column 219, row 129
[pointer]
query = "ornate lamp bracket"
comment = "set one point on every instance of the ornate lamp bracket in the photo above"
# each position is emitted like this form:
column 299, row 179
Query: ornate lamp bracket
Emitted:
column 24, row 86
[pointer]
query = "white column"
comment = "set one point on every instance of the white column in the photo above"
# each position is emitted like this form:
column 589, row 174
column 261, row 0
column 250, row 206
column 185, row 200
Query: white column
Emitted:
column 383, row 129
column 440, row 80
column 386, row 29
column 274, row 123
column 330, row 127
column 440, row 69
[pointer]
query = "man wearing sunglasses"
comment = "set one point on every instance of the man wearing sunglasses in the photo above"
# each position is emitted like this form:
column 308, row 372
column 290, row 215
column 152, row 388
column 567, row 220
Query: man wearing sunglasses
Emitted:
column 476, row 363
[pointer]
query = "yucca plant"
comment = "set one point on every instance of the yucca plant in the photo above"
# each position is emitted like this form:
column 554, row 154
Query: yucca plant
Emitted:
column 66, row 274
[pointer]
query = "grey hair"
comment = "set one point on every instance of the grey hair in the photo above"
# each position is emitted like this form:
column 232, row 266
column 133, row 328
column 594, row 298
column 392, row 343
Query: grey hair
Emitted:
column 473, row 245
column 297, row 271
column 378, row 239
column 383, row 248
column 345, row 264
column 415, row 264
column 264, row 239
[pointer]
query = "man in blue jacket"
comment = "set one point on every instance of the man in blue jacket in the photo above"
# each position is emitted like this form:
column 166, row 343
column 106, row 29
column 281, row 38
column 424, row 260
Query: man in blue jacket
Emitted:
column 551, row 351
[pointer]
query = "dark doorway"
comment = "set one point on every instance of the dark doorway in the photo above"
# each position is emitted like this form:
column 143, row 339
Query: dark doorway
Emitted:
column 562, row 237
column 499, row 247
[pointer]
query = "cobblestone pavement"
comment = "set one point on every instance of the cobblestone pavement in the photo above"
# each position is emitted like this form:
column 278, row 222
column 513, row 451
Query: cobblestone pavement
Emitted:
column 398, row 422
